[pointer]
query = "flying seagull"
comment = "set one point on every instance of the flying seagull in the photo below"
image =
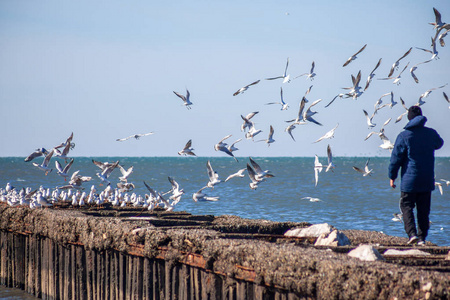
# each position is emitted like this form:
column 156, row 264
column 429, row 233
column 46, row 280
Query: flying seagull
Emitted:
column 136, row 136
column 328, row 135
column 185, row 99
column 330, row 165
column 44, row 166
column 213, row 176
column 63, row 171
column 366, row 170
column 311, row 73
column 369, row 119
column 221, row 146
column 269, row 139
column 187, row 150
column 317, row 169
column 371, row 75
column 285, row 76
column 243, row 89
column 353, row 57
column 413, row 68
column 396, row 78
column 247, row 123
column 283, row 104
column 397, row 62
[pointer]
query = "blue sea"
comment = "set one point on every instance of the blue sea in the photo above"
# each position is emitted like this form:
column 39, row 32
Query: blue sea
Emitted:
column 348, row 200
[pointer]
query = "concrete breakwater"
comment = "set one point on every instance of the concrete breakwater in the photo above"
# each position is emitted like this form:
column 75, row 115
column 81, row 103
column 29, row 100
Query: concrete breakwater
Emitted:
column 105, row 253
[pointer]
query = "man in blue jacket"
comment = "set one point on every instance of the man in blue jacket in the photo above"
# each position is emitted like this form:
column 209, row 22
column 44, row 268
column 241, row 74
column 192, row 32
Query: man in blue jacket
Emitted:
column 414, row 153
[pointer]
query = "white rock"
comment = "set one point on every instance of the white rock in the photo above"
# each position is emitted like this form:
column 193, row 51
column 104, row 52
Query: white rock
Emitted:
column 366, row 253
column 411, row 252
column 335, row 238
column 312, row 231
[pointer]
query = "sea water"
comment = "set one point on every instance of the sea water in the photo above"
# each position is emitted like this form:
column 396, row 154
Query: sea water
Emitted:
column 348, row 200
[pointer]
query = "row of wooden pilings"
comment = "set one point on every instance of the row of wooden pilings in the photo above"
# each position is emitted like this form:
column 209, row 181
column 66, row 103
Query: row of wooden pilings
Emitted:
column 51, row 270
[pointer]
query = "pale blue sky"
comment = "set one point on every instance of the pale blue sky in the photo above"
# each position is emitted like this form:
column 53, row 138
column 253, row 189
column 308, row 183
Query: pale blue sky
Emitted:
column 107, row 69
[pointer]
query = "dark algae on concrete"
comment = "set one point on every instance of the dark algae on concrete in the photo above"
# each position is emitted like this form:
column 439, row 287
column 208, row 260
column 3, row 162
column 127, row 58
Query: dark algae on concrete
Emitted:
column 242, row 250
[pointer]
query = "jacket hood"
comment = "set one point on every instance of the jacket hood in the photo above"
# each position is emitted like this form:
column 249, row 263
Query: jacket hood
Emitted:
column 418, row 121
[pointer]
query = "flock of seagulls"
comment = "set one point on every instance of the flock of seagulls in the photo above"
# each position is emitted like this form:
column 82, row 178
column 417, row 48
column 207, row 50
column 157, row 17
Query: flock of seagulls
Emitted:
column 122, row 194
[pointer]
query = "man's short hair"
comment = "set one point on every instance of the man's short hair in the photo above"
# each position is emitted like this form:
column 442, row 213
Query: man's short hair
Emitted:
column 414, row 111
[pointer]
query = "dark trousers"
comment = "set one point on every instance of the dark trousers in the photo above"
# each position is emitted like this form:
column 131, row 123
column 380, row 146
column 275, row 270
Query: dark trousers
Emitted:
column 423, row 202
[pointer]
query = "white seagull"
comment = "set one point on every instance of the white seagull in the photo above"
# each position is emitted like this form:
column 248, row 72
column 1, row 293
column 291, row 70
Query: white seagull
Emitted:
column 247, row 123
column 63, row 172
column 396, row 78
column 317, row 169
column 397, row 62
column 307, row 115
column 125, row 173
column 369, row 119
column 36, row 153
column 200, row 196
column 213, row 176
column 413, row 68
column 136, row 136
column 366, row 170
column 311, row 73
column 284, row 105
column 44, row 166
column 260, row 174
column 221, row 146
column 106, row 173
column 330, row 165
column 285, row 76
column 269, row 139
column 239, row 173
column 243, row 89
column 187, row 150
column 371, row 75
column 254, row 180
column 232, row 147
column 353, row 57
column 185, row 99
column 328, row 135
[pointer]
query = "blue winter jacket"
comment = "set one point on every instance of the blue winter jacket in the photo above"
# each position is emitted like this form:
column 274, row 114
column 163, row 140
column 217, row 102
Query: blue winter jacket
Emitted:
column 414, row 153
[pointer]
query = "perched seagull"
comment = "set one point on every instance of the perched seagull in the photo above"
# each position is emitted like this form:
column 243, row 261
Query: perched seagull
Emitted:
column 239, row 173
column 397, row 62
column 284, row 105
column 37, row 153
column 353, row 57
column 221, row 146
column 330, row 165
column 413, row 68
column 439, row 185
column 232, row 147
column 187, row 150
column 366, row 170
column 106, row 173
column 317, row 169
column 186, row 100
column 328, row 135
column 396, row 78
column 254, row 180
column 136, row 136
column 243, row 89
column 371, row 75
column 369, row 119
column 213, row 176
column 63, row 172
column 44, row 166
column 200, row 196
column 125, row 173
column 307, row 115
column 285, row 76
column 269, row 139
column 311, row 73
column 247, row 123
column 260, row 174
column 446, row 98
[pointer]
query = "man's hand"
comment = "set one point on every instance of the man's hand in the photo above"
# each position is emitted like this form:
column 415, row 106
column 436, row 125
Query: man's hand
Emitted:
column 392, row 183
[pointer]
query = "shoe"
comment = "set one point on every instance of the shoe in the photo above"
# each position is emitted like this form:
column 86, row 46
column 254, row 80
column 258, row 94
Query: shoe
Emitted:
column 412, row 240
column 421, row 243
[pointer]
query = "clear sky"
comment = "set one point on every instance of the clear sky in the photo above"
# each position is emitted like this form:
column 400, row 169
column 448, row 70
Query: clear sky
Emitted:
column 107, row 69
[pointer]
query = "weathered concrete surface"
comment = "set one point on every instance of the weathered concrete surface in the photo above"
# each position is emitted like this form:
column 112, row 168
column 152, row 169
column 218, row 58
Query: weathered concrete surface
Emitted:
column 299, row 267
